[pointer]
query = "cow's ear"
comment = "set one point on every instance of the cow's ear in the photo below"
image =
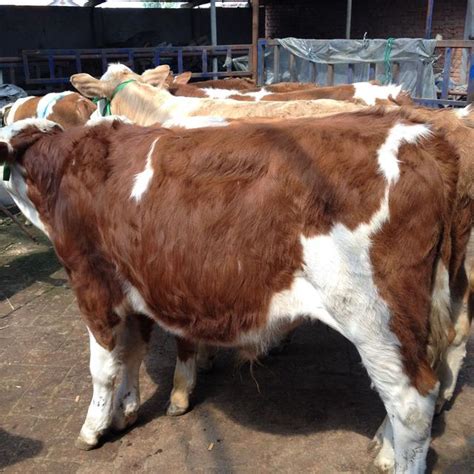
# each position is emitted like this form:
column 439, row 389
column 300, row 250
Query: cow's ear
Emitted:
column 16, row 138
column 156, row 77
column 182, row 78
column 90, row 86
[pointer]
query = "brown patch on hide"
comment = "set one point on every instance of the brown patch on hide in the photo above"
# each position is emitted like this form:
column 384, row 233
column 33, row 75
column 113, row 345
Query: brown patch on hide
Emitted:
column 72, row 110
column 404, row 253
column 69, row 111
column 26, row 110
column 239, row 84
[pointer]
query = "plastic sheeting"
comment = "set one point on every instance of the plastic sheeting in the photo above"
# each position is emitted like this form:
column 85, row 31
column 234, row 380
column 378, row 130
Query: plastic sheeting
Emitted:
column 414, row 56
column 9, row 93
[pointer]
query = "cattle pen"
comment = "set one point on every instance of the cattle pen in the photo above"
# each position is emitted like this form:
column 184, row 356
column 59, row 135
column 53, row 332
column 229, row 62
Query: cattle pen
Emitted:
column 235, row 236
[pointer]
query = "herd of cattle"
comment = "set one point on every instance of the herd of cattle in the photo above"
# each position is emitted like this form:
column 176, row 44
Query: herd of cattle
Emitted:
column 229, row 214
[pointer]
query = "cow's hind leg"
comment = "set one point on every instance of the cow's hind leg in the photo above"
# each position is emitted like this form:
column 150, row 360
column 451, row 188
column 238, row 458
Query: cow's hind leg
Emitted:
column 134, row 342
column 184, row 377
column 104, row 368
column 453, row 357
column 409, row 412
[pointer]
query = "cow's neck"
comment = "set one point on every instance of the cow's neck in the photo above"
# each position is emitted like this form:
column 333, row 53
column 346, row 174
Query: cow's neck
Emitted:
column 18, row 189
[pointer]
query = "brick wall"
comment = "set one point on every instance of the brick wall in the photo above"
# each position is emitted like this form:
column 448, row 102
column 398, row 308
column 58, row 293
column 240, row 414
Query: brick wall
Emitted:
column 305, row 19
column 379, row 18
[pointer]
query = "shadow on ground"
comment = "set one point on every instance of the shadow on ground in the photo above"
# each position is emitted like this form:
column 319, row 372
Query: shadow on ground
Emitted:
column 24, row 270
column 14, row 449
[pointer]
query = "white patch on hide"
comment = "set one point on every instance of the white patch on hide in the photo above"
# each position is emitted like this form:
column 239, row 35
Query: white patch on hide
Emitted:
column 46, row 104
column 195, row 122
column 369, row 93
column 16, row 105
column 143, row 179
column 387, row 154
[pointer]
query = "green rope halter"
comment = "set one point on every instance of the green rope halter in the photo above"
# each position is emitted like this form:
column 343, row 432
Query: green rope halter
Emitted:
column 108, row 102
column 6, row 171
column 386, row 59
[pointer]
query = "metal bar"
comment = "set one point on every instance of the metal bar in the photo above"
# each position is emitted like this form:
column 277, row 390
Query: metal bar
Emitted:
column 180, row 61
column 51, row 66
column 455, row 44
column 260, row 55
column 204, row 61
column 446, row 71
column 330, row 75
column 372, row 71
column 291, row 67
column 20, row 225
column 348, row 19
column 255, row 49
column 156, row 57
column 276, row 63
column 429, row 19
column 312, row 71
column 228, row 60
column 350, row 73
column 470, row 85
column 78, row 63
column 395, row 72
column 438, row 102
column 213, row 33
column 103, row 55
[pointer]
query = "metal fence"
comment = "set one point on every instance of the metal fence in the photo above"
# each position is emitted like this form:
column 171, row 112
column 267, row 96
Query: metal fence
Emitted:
column 50, row 69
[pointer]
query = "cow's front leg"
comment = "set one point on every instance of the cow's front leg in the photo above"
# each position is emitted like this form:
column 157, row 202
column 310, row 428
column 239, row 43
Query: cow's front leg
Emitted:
column 104, row 368
column 134, row 344
column 184, row 377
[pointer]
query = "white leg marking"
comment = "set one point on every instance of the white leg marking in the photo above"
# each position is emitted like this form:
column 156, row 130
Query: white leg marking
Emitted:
column 385, row 459
column 104, row 367
column 143, row 179
column 183, row 384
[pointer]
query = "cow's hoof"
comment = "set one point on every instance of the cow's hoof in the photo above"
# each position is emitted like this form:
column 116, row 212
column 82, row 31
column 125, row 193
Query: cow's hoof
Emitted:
column 123, row 421
column 175, row 410
column 385, row 466
column 83, row 445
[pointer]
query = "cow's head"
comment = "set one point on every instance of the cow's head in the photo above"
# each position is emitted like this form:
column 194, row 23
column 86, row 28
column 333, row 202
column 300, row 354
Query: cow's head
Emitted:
column 117, row 74
column 19, row 167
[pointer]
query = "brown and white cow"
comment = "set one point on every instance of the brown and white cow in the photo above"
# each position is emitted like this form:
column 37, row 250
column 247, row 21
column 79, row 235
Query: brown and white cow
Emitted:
column 147, row 105
column 224, row 235
column 368, row 93
column 69, row 109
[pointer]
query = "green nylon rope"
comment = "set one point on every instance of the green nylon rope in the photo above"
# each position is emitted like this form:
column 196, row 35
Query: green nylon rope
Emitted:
column 6, row 172
column 108, row 102
column 386, row 59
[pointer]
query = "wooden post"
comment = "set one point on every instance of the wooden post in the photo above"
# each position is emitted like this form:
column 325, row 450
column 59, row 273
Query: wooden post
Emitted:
column 255, row 21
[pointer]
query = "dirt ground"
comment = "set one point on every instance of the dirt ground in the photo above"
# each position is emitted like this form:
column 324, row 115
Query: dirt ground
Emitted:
column 313, row 409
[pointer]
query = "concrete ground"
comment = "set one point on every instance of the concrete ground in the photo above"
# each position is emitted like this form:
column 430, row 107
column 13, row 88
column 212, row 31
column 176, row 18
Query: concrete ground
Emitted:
column 312, row 411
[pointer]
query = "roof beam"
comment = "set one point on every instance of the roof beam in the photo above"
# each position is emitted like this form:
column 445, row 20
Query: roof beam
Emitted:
column 94, row 3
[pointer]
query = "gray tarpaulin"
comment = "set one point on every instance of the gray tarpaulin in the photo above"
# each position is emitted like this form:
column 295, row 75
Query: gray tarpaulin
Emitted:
column 10, row 93
column 415, row 57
